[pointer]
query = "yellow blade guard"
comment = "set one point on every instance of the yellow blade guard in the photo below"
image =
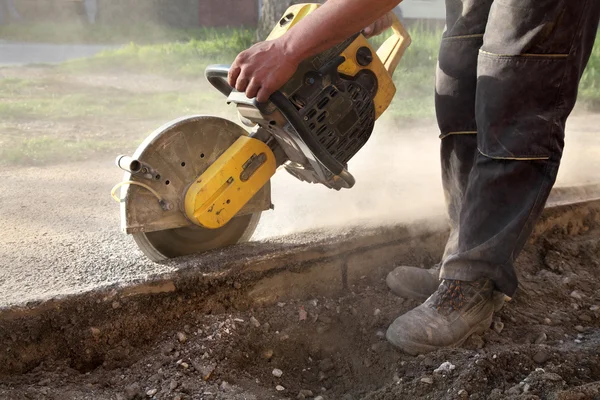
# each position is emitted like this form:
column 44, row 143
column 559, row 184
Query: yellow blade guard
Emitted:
column 229, row 183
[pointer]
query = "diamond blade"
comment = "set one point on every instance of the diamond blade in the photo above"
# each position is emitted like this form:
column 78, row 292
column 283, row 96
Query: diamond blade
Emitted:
column 170, row 243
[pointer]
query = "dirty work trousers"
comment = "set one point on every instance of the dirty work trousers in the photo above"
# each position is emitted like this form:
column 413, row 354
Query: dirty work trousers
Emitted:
column 506, row 81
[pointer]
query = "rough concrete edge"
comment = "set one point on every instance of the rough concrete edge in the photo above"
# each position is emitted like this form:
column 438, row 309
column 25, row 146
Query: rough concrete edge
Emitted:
column 254, row 258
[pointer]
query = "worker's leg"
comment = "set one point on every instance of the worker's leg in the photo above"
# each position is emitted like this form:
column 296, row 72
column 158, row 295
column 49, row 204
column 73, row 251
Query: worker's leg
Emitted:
column 533, row 55
column 529, row 67
column 456, row 83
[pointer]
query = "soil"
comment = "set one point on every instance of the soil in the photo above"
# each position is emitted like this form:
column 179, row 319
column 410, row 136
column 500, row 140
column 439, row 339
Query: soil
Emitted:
column 544, row 344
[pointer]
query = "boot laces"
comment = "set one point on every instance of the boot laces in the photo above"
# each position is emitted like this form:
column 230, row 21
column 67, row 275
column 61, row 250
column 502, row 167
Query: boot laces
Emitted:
column 452, row 295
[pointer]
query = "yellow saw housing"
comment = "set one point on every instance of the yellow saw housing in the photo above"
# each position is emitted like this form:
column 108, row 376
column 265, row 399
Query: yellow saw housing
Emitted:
column 382, row 66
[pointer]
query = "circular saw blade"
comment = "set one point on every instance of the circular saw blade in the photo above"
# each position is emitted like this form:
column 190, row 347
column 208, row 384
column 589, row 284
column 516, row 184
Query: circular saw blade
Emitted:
column 170, row 243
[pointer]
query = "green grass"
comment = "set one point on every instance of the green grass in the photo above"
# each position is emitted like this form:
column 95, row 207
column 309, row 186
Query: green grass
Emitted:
column 73, row 32
column 589, row 87
column 111, row 105
column 175, row 59
column 45, row 150
column 32, row 99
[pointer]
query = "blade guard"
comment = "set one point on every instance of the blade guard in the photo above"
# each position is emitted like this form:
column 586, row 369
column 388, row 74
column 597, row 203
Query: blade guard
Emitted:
column 230, row 182
column 177, row 153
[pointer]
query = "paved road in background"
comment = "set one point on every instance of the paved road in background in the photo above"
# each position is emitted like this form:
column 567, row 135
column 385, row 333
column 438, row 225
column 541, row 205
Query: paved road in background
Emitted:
column 13, row 53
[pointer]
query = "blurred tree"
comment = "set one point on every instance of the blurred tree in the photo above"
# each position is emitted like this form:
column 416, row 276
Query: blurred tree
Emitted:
column 272, row 11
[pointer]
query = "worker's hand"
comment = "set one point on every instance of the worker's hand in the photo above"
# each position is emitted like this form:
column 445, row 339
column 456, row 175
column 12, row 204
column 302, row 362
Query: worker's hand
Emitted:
column 262, row 69
column 379, row 26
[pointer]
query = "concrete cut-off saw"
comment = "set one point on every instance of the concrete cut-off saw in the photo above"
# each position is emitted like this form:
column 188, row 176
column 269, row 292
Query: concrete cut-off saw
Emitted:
column 200, row 183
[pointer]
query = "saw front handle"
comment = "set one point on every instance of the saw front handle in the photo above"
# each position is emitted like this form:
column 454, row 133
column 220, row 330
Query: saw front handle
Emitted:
column 391, row 51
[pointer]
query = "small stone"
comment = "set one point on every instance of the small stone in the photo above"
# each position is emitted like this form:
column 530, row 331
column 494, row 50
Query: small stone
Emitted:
column 428, row 380
column 526, row 387
column 225, row 386
column 541, row 338
column 173, row 385
column 184, row 365
column 576, row 295
column 305, row 393
column 578, row 341
column 181, row 337
column 280, row 304
column 348, row 396
column 95, row 332
column 477, row 341
column 151, row 392
column 498, row 326
column 132, row 391
column 115, row 305
column 302, row 314
column 279, row 388
column 319, row 398
column 237, row 285
column 254, row 322
column 380, row 334
column 514, row 391
column 579, row 328
column 277, row 372
column 446, row 366
column 266, row 327
column 326, row 365
column 376, row 312
column 594, row 308
column 206, row 371
column 267, row 354
column 463, row 394
column 541, row 357
column 585, row 318
column 547, row 321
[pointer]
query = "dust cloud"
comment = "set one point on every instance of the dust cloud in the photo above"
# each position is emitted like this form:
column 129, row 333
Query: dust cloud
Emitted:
column 397, row 180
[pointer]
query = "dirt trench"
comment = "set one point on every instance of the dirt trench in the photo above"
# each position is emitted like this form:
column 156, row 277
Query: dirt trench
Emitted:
column 313, row 328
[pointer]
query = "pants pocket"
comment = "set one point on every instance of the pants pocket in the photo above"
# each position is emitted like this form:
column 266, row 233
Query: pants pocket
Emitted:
column 516, row 106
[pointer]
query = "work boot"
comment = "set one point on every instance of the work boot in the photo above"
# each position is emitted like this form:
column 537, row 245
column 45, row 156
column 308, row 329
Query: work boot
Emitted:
column 448, row 317
column 413, row 283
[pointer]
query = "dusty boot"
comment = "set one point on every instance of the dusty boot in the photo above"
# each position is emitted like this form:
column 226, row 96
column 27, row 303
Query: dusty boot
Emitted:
column 413, row 283
column 449, row 316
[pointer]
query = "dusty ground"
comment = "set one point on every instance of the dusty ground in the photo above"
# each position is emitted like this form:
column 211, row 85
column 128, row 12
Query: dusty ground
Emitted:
column 60, row 236
column 544, row 344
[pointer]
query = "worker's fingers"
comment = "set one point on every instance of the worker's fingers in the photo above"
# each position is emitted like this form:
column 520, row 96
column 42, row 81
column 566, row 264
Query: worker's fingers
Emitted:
column 252, row 89
column 368, row 31
column 241, row 84
column 263, row 95
column 234, row 73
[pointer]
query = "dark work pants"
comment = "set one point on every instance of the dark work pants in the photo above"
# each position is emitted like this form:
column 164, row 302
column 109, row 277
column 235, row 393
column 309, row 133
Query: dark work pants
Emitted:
column 506, row 82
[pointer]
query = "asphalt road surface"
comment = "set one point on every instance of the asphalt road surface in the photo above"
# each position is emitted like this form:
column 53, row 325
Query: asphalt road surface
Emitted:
column 13, row 53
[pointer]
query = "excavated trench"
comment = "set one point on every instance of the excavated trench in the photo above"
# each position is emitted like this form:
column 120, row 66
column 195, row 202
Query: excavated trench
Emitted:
column 297, row 319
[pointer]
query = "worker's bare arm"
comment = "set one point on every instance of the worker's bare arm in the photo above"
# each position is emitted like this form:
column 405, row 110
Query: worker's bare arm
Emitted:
column 266, row 66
